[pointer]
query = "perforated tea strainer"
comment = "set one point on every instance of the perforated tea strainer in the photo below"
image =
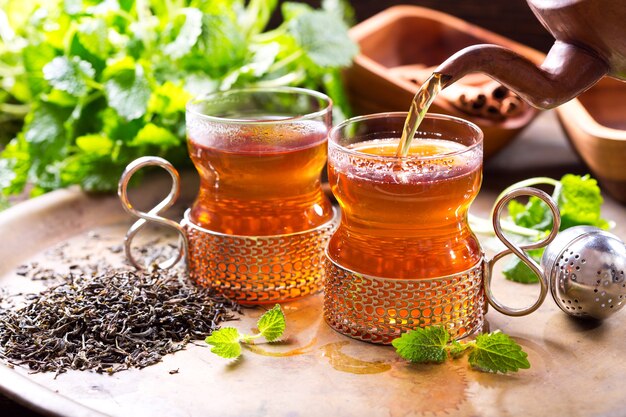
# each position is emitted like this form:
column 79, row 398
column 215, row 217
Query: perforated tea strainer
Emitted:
column 586, row 266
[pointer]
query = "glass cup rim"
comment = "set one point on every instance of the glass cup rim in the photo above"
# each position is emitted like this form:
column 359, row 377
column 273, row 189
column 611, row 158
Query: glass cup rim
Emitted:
column 335, row 129
column 249, row 90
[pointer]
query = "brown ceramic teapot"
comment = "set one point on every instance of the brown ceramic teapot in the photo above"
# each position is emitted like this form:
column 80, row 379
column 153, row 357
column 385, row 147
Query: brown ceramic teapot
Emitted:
column 590, row 43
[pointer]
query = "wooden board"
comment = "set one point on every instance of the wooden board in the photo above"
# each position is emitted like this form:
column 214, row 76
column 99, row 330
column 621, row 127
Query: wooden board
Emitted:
column 577, row 368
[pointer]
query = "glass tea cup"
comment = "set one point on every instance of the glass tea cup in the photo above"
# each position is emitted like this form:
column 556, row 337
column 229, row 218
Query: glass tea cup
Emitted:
column 404, row 255
column 259, row 225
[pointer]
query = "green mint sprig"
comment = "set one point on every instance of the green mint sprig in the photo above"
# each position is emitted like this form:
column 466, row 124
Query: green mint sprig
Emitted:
column 227, row 341
column 493, row 352
column 579, row 201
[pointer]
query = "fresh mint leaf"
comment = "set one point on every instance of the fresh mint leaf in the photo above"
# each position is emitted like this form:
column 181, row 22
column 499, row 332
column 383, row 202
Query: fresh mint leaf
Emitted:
column 225, row 342
column 94, row 172
column 516, row 270
column 456, row 349
column 168, row 99
column 95, row 144
column 186, row 28
column 580, row 202
column 264, row 56
column 291, row 10
column 493, row 352
column 534, row 215
column 256, row 16
column 14, row 166
column 35, row 59
column 497, row 352
column 44, row 125
column 328, row 47
column 69, row 74
column 342, row 9
column 152, row 134
column 223, row 42
column 92, row 34
column 423, row 345
column 128, row 91
column 271, row 324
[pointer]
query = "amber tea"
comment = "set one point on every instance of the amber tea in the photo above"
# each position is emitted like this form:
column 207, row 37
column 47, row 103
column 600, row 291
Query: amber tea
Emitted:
column 404, row 255
column 406, row 219
column 416, row 203
column 264, row 182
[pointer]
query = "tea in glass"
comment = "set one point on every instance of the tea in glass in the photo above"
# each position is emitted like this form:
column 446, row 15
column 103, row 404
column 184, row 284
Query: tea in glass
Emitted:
column 266, row 182
column 261, row 221
column 404, row 255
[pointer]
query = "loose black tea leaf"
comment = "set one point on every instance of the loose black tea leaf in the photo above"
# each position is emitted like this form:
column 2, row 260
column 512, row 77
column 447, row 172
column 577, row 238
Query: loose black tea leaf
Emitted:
column 109, row 321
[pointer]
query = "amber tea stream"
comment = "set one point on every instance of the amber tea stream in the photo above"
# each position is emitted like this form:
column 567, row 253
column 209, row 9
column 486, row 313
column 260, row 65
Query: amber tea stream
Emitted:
column 419, row 106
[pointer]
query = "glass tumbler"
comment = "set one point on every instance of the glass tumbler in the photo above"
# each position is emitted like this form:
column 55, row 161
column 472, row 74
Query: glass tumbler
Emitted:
column 259, row 225
column 404, row 255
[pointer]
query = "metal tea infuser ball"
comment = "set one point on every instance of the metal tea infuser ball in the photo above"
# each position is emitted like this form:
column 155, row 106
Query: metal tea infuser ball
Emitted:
column 586, row 266
column 583, row 266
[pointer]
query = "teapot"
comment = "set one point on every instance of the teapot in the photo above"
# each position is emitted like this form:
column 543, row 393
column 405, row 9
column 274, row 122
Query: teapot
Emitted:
column 590, row 43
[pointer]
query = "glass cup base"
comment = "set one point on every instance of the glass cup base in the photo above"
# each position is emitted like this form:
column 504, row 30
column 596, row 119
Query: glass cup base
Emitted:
column 259, row 269
column 378, row 310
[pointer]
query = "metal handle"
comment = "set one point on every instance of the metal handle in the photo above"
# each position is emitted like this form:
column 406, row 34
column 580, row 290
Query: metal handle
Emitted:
column 152, row 215
column 518, row 251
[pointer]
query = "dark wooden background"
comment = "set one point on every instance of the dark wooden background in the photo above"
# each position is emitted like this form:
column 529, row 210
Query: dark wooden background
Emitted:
column 511, row 18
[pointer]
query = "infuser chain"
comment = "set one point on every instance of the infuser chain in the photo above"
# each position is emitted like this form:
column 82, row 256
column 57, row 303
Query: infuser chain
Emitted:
column 154, row 214
column 518, row 251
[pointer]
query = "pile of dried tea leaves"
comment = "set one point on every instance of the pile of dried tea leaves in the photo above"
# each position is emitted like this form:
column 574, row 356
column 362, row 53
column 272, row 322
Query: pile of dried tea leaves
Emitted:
column 109, row 321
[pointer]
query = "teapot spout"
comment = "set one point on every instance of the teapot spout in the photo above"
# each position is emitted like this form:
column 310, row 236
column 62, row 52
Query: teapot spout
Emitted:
column 567, row 71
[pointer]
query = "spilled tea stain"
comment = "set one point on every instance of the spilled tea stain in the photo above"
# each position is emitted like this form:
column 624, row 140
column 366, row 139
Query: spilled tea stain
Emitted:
column 346, row 363
column 259, row 350
column 304, row 323
column 421, row 389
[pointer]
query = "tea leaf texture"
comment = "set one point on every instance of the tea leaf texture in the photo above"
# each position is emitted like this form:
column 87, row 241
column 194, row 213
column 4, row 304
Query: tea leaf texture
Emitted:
column 271, row 325
column 493, row 352
column 423, row 345
column 497, row 352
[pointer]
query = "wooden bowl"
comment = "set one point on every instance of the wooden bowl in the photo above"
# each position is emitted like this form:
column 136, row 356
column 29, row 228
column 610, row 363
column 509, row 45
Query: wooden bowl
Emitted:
column 595, row 124
column 404, row 36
